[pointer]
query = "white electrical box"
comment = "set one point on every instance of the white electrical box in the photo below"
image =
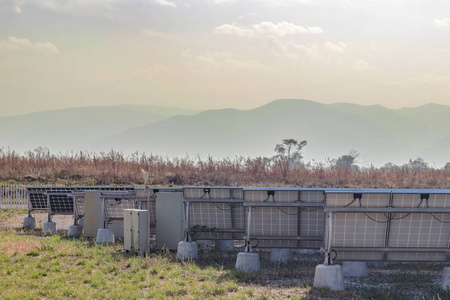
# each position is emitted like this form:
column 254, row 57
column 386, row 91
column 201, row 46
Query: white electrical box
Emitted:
column 140, row 225
column 128, row 230
column 136, row 236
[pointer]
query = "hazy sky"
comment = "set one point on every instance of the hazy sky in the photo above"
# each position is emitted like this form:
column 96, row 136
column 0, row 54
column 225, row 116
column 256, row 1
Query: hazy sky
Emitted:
column 222, row 53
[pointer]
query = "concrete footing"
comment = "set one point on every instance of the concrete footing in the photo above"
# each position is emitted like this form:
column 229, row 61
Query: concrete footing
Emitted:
column 105, row 235
column 355, row 269
column 75, row 231
column 187, row 250
column 29, row 222
column 225, row 245
column 279, row 255
column 445, row 280
column 329, row 276
column 248, row 262
column 49, row 227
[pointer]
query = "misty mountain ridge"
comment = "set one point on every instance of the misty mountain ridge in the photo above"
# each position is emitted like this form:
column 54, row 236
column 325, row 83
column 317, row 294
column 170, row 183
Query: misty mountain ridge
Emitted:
column 378, row 133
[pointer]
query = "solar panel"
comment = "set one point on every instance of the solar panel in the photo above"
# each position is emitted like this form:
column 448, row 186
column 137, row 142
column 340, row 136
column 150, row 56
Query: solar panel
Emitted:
column 61, row 198
column 401, row 229
column 215, row 212
column 285, row 218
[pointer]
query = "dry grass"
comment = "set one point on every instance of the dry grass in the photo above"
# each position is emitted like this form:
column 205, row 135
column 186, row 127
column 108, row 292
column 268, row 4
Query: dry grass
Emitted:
column 83, row 168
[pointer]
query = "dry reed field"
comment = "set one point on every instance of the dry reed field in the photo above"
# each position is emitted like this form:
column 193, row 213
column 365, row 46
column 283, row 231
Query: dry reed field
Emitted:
column 115, row 168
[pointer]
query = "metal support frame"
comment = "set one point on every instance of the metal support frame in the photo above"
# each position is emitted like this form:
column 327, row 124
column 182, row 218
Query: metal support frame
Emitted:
column 248, row 246
column 298, row 205
column 49, row 209
column 389, row 211
column 211, row 201
column 328, row 260
column 188, row 224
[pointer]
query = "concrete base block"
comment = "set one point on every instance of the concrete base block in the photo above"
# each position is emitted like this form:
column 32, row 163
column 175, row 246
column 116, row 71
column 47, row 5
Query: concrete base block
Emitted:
column 81, row 222
column 355, row 269
column 225, row 245
column 105, row 235
column 248, row 262
column 187, row 250
column 75, row 231
column 445, row 281
column 278, row 255
column 29, row 222
column 49, row 227
column 329, row 276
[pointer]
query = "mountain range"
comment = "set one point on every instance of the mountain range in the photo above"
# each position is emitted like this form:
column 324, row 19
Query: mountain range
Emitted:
column 379, row 134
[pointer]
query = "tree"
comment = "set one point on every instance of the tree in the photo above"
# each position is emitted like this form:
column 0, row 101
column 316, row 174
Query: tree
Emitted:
column 290, row 151
column 417, row 164
column 347, row 161
column 390, row 167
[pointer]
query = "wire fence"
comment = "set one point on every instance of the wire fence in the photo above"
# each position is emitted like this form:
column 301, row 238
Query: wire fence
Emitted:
column 13, row 197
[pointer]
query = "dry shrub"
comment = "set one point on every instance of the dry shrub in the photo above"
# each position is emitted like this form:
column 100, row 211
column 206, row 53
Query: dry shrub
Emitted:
column 113, row 167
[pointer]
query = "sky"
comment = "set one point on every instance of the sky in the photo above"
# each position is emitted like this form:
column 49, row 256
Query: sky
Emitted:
column 210, row 54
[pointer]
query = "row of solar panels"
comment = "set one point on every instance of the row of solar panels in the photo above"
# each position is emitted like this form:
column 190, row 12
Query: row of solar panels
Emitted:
column 353, row 224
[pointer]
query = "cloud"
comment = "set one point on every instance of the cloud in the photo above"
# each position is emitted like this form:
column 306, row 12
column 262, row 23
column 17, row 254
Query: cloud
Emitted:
column 284, row 28
column 234, row 29
column 164, row 3
column 15, row 44
column 339, row 47
column 17, row 9
column 266, row 28
column 443, row 22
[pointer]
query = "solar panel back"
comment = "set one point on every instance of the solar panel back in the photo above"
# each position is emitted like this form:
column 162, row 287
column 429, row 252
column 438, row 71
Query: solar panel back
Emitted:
column 418, row 236
column 285, row 227
column 214, row 218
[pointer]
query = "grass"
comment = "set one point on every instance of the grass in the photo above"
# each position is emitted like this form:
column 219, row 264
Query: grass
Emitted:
column 33, row 266
column 38, row 266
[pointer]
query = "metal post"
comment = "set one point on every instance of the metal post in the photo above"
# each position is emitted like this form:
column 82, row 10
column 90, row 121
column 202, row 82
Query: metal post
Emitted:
column 248, row 247
column 28, row 204
column 328, row 260
column 148, row 248
column 188, row 225
column 49, row 210
column 103, row 212
column 74, row 210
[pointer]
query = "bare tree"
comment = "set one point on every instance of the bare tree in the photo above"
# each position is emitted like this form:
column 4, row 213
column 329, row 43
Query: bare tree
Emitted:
column 290, row 151
column 347, row 161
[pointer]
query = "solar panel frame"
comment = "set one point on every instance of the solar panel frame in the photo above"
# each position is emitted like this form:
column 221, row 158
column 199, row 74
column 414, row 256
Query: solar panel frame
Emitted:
column 285, row 217
column 216, row 213
column 408, row 220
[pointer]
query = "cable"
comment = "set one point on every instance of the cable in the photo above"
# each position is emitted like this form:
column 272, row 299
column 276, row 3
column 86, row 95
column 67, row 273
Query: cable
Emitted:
column 434, row 217
column 294, row 214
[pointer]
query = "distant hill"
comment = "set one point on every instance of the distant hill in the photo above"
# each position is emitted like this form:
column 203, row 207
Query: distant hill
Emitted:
column 77, row 128
column 379, row 134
